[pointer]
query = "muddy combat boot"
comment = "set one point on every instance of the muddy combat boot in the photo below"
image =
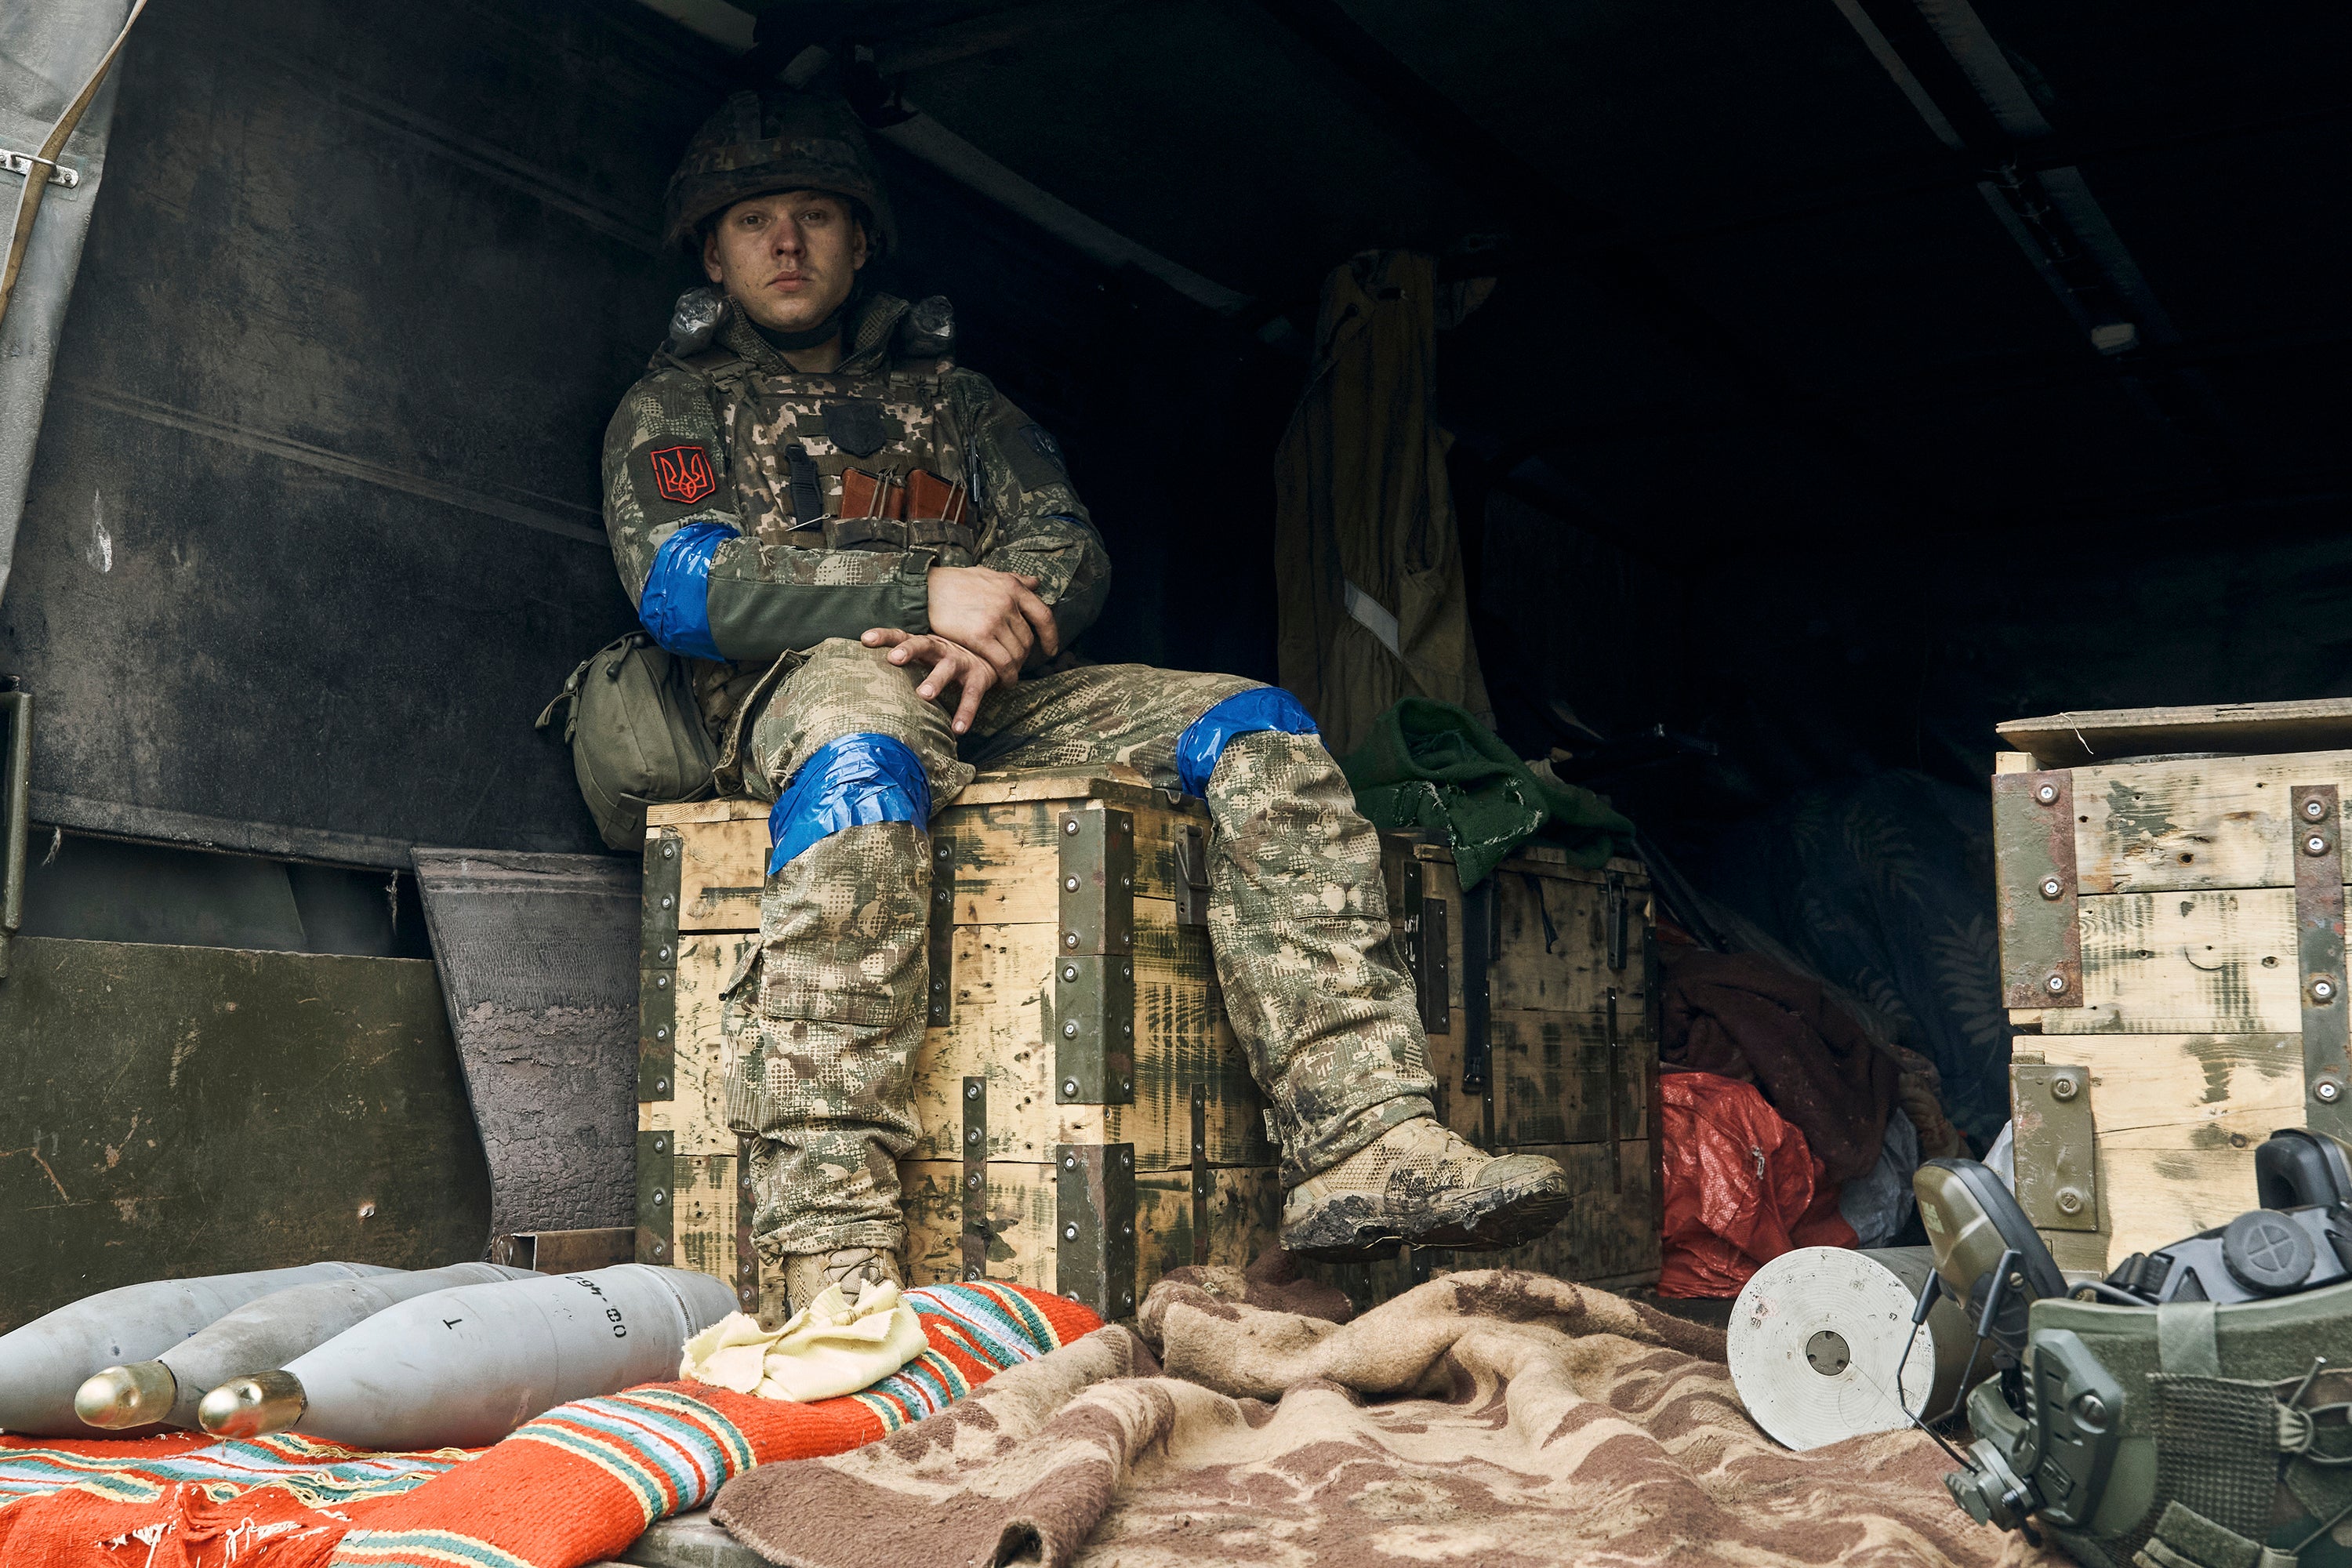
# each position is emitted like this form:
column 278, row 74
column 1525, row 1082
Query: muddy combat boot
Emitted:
column 806, row 1274
column 1421, row 1184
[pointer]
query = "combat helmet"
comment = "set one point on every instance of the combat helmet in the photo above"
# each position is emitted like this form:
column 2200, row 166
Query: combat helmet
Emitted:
column 775, row 140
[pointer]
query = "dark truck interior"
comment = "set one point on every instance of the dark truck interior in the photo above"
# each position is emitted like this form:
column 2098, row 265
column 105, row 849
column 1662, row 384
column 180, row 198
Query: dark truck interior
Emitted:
column 1828, row 383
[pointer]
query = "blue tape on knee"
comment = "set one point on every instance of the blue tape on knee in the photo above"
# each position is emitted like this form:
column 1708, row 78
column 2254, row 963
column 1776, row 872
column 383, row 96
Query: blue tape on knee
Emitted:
column 1242, row 713
column 852, row 782
column 675, row 604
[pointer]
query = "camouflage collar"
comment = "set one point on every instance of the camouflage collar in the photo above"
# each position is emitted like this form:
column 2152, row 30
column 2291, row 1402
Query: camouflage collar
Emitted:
column 872, row 321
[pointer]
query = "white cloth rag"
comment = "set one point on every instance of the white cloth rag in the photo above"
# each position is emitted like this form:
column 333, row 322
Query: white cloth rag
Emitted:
column 829, row 1347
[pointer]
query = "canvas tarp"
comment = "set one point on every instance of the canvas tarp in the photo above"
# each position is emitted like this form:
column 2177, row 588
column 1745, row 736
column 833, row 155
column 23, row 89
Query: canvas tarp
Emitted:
column 1368, row 565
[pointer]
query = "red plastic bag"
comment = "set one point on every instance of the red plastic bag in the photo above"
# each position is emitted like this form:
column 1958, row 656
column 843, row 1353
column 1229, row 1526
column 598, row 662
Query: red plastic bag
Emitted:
column 1741, row 1186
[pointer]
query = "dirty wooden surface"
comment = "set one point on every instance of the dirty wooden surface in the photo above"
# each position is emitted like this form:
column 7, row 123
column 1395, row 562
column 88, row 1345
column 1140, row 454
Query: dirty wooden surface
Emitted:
column 2178, row 1117
column 702, row 1213
column 2199, row 823
column 1551, row 1073
column 1244, row 1213
column 2191, row 1027
column 2188, row 962
column 1548, row 1054
column 1006, row 857
column 697, row 1110
column 1002, row 1030
column 1549, row 1028
column 2071, row 739
column 1551, row 954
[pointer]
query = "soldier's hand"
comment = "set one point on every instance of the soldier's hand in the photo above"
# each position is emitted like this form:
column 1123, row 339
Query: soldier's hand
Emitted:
column 951, row 663
column 996, row 615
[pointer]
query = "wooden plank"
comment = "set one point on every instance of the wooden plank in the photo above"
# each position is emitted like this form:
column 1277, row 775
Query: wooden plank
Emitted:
column 705, row 1058
column 2186, row 963
column 1245, row 1215
column 1003, row 1031
column 1607, row 1233
column 2070, row 739
column 1002, row 977
column 1007, row 857
column 724, row 866
column 1534, row 852
column 731, row 808
column 726, row 845
column 2012, row 762
column 2177, row 1118
column 1112, row 781
column 2202, row 823
column 1554, row 948
column 702, row 1198
column 1550, row 1072
column 1551, row 953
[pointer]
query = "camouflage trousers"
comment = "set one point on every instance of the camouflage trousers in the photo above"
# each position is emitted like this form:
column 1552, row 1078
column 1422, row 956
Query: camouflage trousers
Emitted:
column 1298, row 917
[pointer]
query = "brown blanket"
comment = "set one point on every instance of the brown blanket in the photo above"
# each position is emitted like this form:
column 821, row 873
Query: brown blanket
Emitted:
column 1742, row 1015
column 1494, row 1418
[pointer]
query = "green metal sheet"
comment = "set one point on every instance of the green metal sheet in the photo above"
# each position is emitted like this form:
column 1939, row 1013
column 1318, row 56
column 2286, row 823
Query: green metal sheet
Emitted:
column 175, row 1111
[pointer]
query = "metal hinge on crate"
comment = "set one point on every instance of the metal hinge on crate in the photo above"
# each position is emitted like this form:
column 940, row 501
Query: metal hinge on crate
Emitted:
column 940, row 946
column 1091, row 1025
column 658, row 968
column 747, row 1247
column 1191, row 874
column 1613, row 917
column 2034, row 883
column 1094, row 1221
column 1478, row 944
column 2319, row 957
column 2057, row 1152
column 1200, row 1174
column 656, row 1171
column 1424, row 948
column 1616, row 1047
column 975, row 1235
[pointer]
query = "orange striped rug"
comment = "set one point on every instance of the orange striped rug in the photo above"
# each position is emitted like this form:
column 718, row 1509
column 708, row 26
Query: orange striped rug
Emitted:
column 575, row 1486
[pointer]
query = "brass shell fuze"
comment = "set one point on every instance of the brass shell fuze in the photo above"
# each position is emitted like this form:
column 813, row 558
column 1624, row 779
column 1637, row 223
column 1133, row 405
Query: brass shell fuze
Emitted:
column 253, row 1407
column 121, row 1396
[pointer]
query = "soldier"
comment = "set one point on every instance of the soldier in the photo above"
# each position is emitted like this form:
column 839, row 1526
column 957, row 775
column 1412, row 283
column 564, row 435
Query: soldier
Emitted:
column 875, row 562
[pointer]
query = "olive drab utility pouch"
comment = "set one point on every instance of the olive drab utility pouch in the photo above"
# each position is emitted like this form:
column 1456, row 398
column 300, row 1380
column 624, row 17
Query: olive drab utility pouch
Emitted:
column 636, row 734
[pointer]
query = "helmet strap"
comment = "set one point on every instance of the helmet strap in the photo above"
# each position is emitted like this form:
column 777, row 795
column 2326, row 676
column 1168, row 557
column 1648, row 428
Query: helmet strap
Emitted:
column 809, row 338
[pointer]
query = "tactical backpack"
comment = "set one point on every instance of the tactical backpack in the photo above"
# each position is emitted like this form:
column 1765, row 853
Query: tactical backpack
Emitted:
column 636, row 734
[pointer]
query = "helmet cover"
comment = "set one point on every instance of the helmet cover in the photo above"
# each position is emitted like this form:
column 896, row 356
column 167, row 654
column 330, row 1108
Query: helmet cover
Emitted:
column 759, row 142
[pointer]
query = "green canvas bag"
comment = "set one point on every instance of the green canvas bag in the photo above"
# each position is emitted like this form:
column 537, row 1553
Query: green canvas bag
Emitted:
column 636, row 734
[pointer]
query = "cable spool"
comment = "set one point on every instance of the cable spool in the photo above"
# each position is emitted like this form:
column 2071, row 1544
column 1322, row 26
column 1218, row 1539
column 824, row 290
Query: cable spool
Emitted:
column 1817, row 1332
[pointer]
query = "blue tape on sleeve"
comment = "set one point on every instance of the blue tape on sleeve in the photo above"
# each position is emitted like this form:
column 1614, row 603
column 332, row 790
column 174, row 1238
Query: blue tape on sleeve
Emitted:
column 852, row 782
column 1242, row 713
column 675, row 604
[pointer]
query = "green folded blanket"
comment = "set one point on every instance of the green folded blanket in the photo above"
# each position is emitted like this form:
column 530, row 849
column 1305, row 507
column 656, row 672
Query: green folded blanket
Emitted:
column 1431, row 767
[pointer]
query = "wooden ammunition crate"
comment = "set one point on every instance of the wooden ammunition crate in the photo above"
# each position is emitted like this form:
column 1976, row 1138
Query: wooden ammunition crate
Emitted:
column 1089, row 1121
column 2173, row 955
column 1537, row 988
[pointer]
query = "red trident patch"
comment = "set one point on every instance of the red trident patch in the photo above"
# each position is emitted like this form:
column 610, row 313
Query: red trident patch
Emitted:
column 682, row 474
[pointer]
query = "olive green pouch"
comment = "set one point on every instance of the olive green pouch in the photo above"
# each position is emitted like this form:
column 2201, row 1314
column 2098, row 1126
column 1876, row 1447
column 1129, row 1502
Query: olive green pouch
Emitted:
column 636, row 734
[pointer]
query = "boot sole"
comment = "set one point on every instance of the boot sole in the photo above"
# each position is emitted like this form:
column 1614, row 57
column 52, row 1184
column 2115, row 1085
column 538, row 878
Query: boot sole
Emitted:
column 1356, row 1230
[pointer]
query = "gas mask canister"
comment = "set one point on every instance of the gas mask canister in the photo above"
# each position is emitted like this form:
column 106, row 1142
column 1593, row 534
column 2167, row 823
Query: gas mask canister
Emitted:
column 2189, row 1411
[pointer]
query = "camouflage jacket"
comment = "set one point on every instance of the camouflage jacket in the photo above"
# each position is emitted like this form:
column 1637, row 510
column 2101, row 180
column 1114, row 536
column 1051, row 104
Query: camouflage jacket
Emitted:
column 696, row 439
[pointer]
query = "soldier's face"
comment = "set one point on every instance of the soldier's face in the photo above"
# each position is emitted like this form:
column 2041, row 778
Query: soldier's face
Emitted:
column 787, row 260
